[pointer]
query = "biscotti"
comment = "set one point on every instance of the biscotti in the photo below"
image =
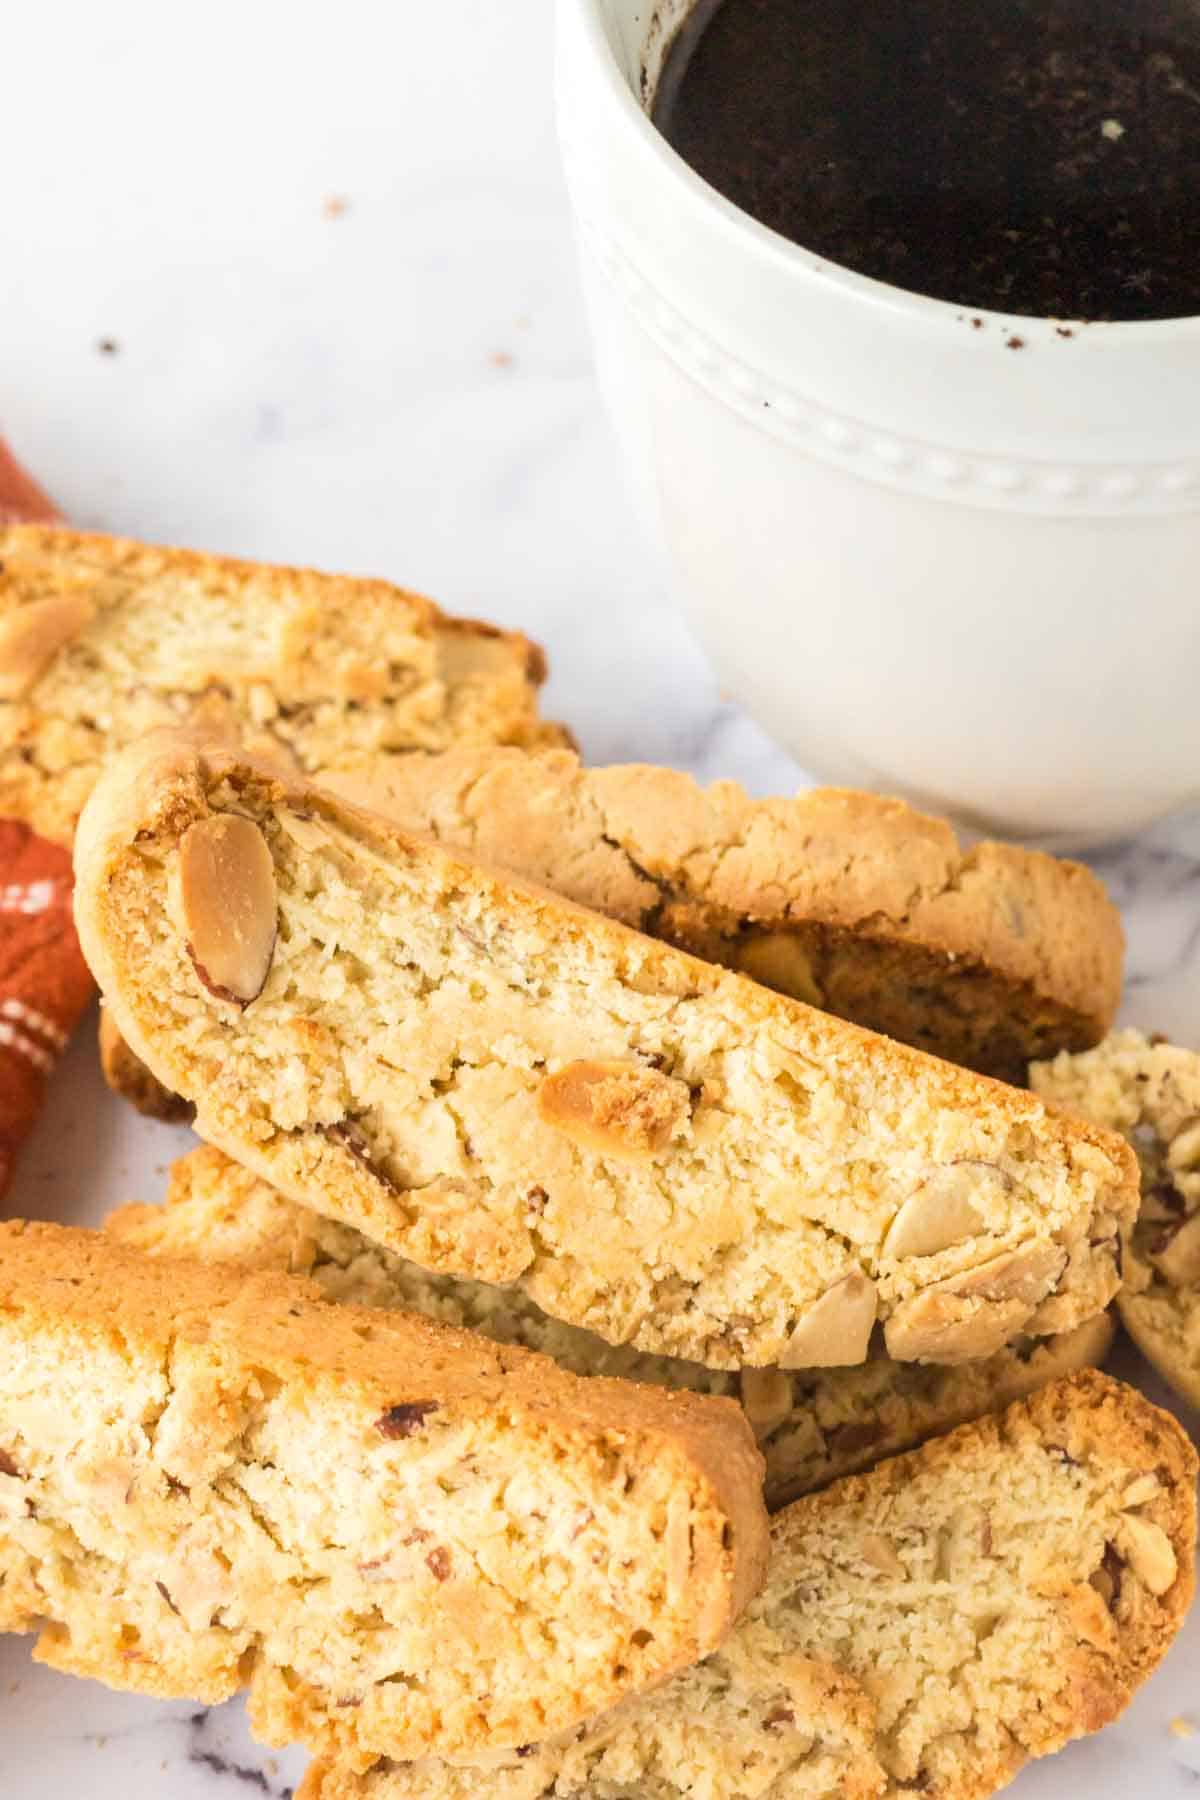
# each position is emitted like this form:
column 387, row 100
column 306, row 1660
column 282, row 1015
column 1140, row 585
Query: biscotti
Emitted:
column 925, row 1629
column 990, row 956
column 857, row 904
column 499, row 1085
column 400, row 1537
column 1150, row 1090
column 103, row 639
column 812, row 1425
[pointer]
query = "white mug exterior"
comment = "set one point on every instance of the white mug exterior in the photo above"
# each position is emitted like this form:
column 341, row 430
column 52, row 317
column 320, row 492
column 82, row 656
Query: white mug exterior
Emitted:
column 941, row 553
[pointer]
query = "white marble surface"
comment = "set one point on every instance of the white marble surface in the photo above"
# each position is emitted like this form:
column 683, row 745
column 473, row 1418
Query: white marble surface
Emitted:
column 403, row 389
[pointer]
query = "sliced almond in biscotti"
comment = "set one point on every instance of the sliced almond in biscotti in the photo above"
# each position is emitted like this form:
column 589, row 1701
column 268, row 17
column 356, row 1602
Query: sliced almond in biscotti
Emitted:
column 836, row 1329
column 32, row 636
column 927, row 1628
column 227, row 903
column 812, row 1425
column 1151, row 1091
column 400, row 1537
column 650, row 1146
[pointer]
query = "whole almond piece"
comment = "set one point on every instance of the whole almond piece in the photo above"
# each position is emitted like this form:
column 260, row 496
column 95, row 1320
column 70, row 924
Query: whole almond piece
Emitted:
column 227, row 894
column 836, row 1329
column 32, row 635
column 614, row 1108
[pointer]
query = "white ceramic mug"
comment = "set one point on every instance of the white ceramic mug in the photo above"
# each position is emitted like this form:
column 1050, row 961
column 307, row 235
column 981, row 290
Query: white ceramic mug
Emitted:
column 938, row 552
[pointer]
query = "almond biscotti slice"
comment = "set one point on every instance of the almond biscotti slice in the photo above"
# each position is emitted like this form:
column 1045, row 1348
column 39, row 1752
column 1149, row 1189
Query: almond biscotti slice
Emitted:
column 499, row 1085
column 812, row 1425
column 103, row 639
column 988, row 957
column 857, row 904
column 400, row 1537
column 1150, row 1090
column 988, row 1598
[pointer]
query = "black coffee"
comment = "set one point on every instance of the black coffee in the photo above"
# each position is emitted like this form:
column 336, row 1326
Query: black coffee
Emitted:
column 1038, row 159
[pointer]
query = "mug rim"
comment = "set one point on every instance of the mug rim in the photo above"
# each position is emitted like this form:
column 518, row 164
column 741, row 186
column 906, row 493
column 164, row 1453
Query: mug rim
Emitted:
column 912, row 307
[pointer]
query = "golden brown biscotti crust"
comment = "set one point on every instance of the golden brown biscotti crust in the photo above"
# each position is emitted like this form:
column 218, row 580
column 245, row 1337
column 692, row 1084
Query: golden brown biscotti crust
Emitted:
column 129, row 1077
column 812, row 1425
column 989, row 957
column 777, row 1178
column 989, row 1597
column 394, row 1533
column 1150, row 1090
column 103, row 639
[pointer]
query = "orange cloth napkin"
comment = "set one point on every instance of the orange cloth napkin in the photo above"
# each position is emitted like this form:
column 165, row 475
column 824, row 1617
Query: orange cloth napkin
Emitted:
column 44, row 982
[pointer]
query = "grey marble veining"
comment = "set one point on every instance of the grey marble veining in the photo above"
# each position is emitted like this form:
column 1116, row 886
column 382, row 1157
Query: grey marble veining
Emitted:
column 403, row 388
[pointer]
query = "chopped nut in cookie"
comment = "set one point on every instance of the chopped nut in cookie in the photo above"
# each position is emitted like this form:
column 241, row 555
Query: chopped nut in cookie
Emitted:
column 951, row 1204
column 1147, row 1549
column 33, row 634
column 974, row 1314
column 836, row 1329
column 615, row 1108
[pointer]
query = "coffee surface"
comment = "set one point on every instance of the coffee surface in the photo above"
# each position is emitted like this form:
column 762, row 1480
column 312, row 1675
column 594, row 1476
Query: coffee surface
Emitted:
column 1034, row 159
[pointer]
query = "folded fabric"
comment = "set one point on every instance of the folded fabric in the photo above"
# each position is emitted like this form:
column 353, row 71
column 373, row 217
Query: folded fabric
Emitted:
column 44, row 981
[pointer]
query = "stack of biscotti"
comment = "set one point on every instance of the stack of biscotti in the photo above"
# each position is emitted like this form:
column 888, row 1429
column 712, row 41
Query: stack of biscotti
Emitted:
column 927, row 1628
column 812, row 1425
column 399, row 1537
column 501, row 1086
column 574, row 1119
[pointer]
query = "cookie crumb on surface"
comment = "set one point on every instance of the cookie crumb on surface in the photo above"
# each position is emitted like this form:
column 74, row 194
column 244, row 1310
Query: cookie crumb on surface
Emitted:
column 335, row 206
column 107, row 346
column 1182, row 1728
